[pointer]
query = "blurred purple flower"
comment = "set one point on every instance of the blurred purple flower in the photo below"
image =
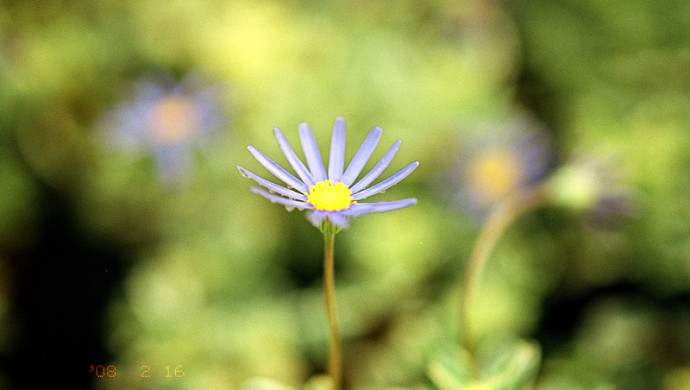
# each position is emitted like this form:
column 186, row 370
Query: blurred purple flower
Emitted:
column 167, row 119
column 496, row 162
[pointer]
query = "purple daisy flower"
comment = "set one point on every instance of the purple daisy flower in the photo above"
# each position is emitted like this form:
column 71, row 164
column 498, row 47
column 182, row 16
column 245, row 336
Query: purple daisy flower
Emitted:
column 330, row 195
column 498, row 162
column 168, row 120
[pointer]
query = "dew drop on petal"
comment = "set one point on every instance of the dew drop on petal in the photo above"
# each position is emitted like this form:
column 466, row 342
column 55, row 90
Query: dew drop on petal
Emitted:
column 288, row 208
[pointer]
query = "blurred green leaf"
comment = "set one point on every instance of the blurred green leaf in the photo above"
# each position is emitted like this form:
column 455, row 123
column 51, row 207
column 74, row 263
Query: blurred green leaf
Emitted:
column 450, row 368
column 509, row 364
column 265, row 384
column 503, row 364
column 319, row 382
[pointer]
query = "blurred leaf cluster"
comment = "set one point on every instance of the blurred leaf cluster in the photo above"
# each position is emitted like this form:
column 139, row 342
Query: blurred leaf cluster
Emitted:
column 229, row 286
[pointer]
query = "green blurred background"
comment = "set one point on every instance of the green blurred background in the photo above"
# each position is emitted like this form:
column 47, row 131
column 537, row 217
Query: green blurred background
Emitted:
column 203, row 285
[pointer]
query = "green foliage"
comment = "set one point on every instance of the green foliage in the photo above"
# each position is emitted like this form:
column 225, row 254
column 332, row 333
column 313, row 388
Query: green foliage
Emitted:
column 501, row 364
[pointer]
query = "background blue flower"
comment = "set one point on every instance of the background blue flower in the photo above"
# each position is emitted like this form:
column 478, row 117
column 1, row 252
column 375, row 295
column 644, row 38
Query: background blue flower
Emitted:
column 168, row 119
column 496, row 160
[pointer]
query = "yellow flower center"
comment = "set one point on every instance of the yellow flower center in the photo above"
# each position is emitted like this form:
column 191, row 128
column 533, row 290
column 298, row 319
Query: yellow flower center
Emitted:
column 495, row 174
column 330, row 196
column 173, row 120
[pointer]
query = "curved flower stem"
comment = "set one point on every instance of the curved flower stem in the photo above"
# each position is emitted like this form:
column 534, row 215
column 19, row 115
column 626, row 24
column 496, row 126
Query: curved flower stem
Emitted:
column 334, row 359
column 501, row 218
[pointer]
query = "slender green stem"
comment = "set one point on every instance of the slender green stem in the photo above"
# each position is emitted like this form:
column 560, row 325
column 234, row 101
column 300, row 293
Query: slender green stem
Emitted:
column 501, row 218
column 334, row 359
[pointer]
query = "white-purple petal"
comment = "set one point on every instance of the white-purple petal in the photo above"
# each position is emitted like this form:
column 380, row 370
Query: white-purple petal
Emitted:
column 360, row 209
column 384, row 185
column 272, row 186
column 277, row 170
column 282, row 200
column 292, row 158
column 317, row 217
column 336, row 159
column 312, row 153
column 362, row 156
column 378, row 168
column 338, row 219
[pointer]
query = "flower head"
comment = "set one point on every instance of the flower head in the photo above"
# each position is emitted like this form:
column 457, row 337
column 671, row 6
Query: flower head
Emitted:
column 593, row 187
column 496, row 164
column 329, row 195
column 167, row 119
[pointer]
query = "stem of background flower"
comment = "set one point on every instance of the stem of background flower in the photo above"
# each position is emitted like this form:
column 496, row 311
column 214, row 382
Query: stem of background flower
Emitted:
column 501, row 218
column 334, row 359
